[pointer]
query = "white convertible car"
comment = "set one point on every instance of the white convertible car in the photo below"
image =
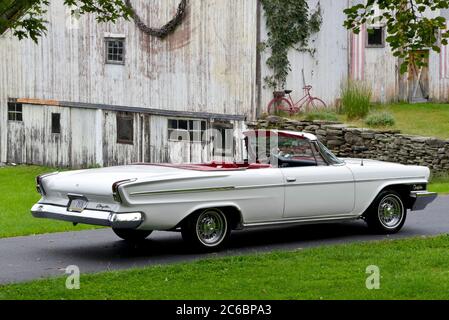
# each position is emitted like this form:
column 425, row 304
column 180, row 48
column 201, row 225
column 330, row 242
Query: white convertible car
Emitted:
column 297, row 181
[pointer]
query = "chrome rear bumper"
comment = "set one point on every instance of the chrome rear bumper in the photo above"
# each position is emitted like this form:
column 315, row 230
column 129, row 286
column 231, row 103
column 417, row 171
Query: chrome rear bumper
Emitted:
column 94, row 217
column 422, row 199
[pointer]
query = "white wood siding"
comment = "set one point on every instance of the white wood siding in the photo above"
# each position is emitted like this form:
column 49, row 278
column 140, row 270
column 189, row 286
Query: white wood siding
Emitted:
column 207, row 65
column 327, row 68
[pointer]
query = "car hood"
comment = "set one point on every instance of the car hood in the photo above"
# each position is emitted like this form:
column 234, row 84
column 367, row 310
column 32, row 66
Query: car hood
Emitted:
column 375, row 169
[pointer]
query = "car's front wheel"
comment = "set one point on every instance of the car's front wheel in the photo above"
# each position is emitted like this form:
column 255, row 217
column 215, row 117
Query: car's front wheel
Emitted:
column 207, row 230
column 387, row 213
column 132, row 235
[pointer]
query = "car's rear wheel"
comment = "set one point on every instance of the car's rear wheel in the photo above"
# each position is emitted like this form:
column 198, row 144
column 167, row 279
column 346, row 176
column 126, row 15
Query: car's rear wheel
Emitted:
column 387, row 214
column 132, row 235
column 207, row 230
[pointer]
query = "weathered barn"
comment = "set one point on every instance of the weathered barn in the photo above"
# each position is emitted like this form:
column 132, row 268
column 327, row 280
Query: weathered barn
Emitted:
column 109, row 94
column 371, row 61
column 106, row 94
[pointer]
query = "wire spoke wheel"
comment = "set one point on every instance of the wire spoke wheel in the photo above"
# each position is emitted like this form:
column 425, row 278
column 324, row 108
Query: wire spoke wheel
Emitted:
column 316, row 105
column 390, row 212
column 387, row 213
column 279, row 106
column 211, row 228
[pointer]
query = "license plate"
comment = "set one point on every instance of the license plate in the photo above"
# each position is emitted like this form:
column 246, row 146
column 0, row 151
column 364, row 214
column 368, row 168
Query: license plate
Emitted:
column 77, row 205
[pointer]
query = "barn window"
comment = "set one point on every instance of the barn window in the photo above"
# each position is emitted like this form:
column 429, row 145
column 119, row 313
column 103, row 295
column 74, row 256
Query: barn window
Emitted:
column 223, row 138
column 115, row 50
column 15, row 111
column 55, row 123
column 376, row 37
column 186, row 130
column 125, row 128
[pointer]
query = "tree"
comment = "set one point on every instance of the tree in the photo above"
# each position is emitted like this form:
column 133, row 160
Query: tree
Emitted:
column 410, row 27
column 26, row 17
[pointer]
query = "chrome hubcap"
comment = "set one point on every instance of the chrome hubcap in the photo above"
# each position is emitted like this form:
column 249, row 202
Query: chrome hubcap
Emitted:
column 390, row 212
column 211, row 228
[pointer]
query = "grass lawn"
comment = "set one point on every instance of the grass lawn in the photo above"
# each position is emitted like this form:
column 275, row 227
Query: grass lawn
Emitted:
column 17, row 196
column 409, row 269
column 440, row 184
column 424, row 119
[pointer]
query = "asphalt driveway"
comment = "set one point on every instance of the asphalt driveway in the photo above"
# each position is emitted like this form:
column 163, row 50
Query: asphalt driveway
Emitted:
column 33, row 257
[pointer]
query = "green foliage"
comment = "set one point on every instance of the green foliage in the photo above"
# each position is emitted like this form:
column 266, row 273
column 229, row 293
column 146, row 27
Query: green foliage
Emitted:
column 355, row 99
column 409, row 30
column 380, row 119
column 290, row 26
column 25, row 17
column 105, row 10
column 321, row 115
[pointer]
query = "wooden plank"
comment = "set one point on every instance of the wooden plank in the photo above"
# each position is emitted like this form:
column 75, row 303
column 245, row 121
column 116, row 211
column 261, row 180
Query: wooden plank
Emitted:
column 41, row 102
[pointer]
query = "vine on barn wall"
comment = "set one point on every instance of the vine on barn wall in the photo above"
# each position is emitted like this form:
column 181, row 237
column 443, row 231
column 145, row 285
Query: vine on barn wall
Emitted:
column 290, row 25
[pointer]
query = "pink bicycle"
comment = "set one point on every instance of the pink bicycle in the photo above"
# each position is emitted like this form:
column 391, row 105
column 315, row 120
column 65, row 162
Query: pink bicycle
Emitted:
column 282, row 104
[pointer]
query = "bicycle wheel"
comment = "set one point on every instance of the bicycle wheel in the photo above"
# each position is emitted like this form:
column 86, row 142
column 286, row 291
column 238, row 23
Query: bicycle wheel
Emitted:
column 315, row 104
column 279, row 106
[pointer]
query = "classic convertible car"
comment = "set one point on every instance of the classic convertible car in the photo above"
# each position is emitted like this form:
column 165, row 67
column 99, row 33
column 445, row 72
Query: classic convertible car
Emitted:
column 288, row 178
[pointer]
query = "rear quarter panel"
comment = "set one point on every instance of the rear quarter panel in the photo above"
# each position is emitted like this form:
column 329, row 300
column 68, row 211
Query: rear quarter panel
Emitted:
column 257, row 194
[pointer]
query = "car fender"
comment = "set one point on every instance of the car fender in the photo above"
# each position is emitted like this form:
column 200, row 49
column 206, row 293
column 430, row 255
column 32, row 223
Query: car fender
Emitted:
column 365, row 197
column 215, row 205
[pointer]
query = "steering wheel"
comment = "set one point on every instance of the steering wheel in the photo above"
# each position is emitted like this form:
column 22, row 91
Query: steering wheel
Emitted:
column 278, row 153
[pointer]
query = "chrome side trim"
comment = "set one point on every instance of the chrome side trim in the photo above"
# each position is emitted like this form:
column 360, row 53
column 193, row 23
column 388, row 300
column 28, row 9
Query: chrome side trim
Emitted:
column 142, row 181
column 212, row 189
column 394, row 178
column 318, row 183
column 193, row 190
column 300, row 221
column 352, row 181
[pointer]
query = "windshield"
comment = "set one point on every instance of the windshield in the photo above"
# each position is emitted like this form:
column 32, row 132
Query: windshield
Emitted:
column 292, row 148
column 328, row 155
column 284, row 151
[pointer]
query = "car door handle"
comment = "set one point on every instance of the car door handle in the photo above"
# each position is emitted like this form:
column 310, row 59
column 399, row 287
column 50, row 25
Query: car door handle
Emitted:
column 290, row 179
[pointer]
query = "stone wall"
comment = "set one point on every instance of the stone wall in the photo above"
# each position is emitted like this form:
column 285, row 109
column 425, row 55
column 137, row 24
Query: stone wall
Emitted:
column 385, row 145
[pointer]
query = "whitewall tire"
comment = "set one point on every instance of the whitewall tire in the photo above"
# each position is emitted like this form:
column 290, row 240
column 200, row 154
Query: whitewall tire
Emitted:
column 387, row 214
column 207, row 230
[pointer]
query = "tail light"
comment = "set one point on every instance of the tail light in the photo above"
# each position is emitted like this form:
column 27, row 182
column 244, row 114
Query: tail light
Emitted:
column 116, row 185
column 39, row 188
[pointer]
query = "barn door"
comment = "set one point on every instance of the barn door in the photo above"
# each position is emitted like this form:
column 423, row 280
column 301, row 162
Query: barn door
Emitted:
column 418, row 80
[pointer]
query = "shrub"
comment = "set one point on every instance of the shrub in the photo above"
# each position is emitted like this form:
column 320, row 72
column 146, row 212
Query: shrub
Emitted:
column 380, row 119
column 321, row 115
column 355, row 99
